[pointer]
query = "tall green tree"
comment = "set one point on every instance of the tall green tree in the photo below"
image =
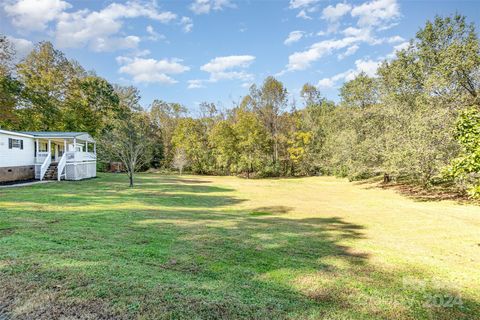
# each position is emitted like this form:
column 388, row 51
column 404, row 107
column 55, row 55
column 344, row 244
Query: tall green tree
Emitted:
column 91, row 104
column 190, row 136
column 360, row 92
column 465, row 168
column 46, row 75
column 166, row 117
column 317, row 118
column 10, row 89
column 269, row 102
column 224, row 144
column 252, row 141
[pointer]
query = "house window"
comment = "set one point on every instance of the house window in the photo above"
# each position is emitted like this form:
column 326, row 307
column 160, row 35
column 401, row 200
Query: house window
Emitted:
column 15, row 143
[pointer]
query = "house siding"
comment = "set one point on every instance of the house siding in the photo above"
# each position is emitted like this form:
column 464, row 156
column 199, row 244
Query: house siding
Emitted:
column 16, row 157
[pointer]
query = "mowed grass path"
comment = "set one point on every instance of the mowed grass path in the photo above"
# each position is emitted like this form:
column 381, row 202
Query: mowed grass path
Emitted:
column 195, row 247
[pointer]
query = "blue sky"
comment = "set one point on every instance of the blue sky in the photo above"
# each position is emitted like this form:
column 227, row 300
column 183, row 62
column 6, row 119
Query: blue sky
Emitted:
column 212, row 50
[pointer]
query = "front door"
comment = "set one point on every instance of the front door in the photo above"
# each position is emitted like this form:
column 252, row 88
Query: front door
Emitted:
column 54, row 152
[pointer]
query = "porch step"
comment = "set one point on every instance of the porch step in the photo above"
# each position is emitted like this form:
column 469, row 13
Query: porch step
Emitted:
column 51, row 173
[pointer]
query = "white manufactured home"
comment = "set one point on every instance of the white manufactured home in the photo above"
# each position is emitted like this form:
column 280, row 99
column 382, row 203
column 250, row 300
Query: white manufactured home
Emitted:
column 47, row 156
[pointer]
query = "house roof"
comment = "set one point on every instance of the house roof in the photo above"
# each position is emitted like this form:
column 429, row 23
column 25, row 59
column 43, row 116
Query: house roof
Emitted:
column 20, row 134
column 54, row 134
column 60, row 134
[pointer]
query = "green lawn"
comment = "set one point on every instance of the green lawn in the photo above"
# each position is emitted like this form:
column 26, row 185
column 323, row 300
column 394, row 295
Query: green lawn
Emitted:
column 224, row 247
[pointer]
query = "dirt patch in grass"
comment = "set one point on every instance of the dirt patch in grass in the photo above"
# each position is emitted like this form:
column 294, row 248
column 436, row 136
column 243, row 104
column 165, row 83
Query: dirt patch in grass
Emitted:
column 23, row 300
column 5, row 232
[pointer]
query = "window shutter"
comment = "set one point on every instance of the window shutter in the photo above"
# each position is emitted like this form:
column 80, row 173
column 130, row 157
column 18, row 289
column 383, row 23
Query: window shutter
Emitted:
column 21, row 144
column 9, row 143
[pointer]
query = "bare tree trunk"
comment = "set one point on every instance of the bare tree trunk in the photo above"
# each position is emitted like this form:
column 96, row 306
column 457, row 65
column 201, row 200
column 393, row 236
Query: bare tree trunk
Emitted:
column 130, row 177
column 386, row 178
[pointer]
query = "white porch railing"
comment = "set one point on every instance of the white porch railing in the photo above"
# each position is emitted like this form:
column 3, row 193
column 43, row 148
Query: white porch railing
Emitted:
column 41, row 157
column 61, row 171
column 46, row 163
column 80, row 156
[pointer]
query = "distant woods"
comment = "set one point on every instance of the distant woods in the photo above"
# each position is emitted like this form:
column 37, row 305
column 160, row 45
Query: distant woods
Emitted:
column 418, row 119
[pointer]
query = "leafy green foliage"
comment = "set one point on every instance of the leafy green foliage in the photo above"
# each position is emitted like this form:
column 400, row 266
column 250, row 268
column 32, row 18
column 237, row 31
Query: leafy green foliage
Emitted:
column 360, row 92
column 190, row 135
column 466, row 167
column 48, row 92
column 411, row 121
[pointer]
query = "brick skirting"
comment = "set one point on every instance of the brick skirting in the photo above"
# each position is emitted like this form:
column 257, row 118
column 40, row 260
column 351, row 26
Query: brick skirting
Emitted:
column 17, row 173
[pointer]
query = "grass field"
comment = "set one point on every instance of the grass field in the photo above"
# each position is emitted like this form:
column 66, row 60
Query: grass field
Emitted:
column 228, row 248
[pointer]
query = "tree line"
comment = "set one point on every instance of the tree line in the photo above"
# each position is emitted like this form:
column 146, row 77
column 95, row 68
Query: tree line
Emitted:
column 417, row 120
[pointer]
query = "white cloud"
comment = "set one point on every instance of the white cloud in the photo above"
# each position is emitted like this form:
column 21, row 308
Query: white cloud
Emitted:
column 352, row 32
column 205, row 6
column 367, row 66
column 225, row 68
column 371, row 17
column 395, row 39
column 22, row 47
column 303, row 59
column 367, row 34
column 221, row 64
column 195, row 84
column 187, row 24
column 151, row 70
column 293, row 37
column 141, row 53
column 98, row 29
column 376, row 12
column 401, row 46
column 350, row 50
column 303, row 14
column 151, row 30
column 114, row 43
column 334, row 13
column 297, row 4
column 153, row 35
column 306, row 7
column 34, row 14
column 398, row 47
column 326, row 83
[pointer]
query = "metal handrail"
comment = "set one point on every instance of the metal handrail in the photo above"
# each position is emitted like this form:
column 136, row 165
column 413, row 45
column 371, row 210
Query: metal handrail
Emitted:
column 61, row 166
column 45, row 165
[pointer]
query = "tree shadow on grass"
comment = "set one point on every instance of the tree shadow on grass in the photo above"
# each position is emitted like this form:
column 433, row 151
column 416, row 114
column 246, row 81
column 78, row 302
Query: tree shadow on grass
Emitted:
column 165, row 192
column 433, row 194
column 417, row 193
column 270, row 210
column 188, row 263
